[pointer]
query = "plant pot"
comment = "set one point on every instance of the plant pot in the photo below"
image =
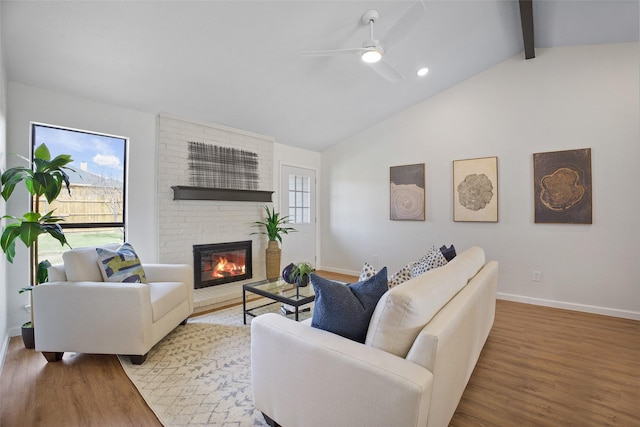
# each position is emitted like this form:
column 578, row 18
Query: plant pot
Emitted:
column 303, row 281
column 28, row 337
column 273, row 260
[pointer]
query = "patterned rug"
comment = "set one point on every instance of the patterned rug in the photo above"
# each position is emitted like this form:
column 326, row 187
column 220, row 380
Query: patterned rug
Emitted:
column 200, row 374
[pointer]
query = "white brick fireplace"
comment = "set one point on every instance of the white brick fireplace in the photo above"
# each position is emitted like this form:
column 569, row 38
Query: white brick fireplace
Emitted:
column 184, row 223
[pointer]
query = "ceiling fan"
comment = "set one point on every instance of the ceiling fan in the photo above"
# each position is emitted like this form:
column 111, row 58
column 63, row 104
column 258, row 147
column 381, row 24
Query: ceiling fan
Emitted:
column 373, row 50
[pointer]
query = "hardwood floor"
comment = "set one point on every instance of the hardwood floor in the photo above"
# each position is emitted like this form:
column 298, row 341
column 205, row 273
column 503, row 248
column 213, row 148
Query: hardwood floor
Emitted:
column 548, row 367
column 81, row 390
column 540, row 367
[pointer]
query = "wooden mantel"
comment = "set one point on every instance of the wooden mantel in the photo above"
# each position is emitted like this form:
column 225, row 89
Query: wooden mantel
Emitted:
column 181, row 192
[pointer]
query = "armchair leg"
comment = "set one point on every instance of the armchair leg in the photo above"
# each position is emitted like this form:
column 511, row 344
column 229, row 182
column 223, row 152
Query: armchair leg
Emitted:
column 138, row 360
column 269, row 421
column 53, row 356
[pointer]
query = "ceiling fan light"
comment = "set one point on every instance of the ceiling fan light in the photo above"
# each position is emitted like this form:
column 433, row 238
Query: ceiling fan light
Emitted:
column 372, row 56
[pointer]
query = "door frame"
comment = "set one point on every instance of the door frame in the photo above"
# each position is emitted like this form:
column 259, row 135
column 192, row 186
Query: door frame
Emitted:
column 315, row 200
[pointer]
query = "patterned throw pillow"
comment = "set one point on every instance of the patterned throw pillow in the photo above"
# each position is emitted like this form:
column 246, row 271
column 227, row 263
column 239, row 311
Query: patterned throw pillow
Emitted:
column 401, row 276
column 347, row 310
column 367, row 272
column 121, row 265
column 433, row 259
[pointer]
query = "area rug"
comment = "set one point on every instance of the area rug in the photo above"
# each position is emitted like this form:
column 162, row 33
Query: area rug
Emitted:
column 200, row 374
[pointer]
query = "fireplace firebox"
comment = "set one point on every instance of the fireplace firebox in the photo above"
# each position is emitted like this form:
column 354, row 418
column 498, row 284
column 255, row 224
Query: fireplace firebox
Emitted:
column 219, row 263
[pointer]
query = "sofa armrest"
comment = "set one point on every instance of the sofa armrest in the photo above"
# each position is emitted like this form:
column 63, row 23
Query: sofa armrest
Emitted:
column 306, row 376
column 171, row 273
column 450, row 344
column 93, row 317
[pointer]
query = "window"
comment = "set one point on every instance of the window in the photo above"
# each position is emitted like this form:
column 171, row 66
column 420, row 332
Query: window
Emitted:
column 299, row 199
column 94, row 211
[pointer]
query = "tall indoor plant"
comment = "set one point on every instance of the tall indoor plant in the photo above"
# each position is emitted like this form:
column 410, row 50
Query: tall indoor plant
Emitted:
column 274, row 227
column 43, row 177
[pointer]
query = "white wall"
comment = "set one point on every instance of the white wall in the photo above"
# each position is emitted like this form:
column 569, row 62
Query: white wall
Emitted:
column 565, row 98
column 4, row 336
column 26, row 104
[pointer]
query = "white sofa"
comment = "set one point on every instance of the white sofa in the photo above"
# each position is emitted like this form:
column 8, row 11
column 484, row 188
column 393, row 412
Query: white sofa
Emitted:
column 79, row 312
column 422, row 344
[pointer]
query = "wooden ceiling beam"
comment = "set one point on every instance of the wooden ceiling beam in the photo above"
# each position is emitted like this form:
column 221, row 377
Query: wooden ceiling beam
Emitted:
column 526, row 17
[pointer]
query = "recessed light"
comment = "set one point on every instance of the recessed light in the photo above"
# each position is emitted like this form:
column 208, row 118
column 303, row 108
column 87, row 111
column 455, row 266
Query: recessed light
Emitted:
column 423, row 71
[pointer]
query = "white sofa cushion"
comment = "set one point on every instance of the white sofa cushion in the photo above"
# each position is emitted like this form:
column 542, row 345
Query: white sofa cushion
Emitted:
column 404, row 310
column 472, row 259
column 81, row 264
column 165, row 296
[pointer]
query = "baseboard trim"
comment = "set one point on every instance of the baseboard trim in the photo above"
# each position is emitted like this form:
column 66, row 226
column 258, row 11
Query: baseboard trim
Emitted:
column 15, row 331
column 339, row 270
column 606, row 311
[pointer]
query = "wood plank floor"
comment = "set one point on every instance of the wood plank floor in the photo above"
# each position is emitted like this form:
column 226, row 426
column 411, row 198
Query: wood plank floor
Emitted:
column 540, row 367
column 543, row 366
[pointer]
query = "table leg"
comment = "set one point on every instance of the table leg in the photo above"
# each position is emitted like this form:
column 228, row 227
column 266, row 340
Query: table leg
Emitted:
column 244, row 306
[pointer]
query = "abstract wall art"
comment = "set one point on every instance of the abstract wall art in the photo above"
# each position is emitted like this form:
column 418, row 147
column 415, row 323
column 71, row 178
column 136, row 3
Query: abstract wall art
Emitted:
column 562, row 187
column 475, row 190
column 407, row 190
column 213, row 166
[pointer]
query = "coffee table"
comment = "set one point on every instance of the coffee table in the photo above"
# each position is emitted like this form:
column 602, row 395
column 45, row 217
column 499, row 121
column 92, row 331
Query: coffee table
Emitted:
column 278, row 291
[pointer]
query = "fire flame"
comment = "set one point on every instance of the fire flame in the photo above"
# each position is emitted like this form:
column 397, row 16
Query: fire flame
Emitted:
column 225, row 268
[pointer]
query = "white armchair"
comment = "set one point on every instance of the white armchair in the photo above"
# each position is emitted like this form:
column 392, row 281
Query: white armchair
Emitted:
column 78, row 311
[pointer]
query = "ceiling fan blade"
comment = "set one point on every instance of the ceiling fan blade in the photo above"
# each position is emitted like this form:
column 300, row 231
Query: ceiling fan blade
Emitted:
column 385, row 70
column 333, row 52
column 404, row 25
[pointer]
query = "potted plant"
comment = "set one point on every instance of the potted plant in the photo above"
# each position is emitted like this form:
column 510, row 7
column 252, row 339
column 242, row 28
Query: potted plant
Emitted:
column 274, row 227
column 43, row 177
column 28, row 337
column 300, row 273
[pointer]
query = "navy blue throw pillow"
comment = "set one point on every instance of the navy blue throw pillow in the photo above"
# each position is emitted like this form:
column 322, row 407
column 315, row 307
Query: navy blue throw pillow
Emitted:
column 448, row 253
column 346, row 310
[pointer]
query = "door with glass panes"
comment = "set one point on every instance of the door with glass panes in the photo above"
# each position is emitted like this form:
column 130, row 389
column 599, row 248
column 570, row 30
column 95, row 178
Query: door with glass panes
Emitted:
column 298, row 200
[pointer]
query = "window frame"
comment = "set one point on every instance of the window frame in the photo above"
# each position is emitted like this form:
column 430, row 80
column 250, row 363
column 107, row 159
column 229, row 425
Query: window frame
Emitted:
column 89, row 225
column 299, row 192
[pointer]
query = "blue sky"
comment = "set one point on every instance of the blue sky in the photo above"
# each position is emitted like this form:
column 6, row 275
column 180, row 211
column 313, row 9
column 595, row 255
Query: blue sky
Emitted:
column 103, row 155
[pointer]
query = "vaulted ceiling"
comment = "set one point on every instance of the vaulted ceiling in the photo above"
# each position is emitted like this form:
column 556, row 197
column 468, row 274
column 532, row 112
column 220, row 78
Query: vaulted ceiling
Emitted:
column 237, row 63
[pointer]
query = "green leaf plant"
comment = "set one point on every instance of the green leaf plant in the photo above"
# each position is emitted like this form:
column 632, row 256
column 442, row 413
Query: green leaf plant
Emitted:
column 300, row 270
column 274, row 226
column 44, row 177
